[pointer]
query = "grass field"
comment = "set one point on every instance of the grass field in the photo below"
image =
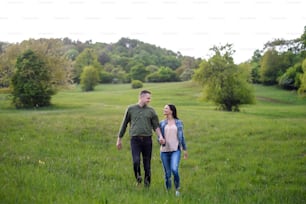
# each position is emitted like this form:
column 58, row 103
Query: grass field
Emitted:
column 67, row 154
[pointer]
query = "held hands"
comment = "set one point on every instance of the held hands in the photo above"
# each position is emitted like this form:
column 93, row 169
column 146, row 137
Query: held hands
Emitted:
column 161, row 140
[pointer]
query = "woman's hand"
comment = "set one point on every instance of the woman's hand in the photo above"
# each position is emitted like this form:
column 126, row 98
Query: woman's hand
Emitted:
column 161, row 140
column 185, row 154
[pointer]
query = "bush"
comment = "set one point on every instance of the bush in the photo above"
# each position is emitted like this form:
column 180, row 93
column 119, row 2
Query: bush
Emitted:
column 106, row 77
column 31, row 83
column 136, row 84
column 89, row 78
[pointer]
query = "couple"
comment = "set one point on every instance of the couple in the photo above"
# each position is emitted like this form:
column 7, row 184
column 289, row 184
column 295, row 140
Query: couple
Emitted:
column 143, row 119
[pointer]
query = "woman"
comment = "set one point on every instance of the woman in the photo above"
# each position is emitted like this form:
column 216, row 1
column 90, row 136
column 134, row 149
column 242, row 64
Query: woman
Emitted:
column 172, row 143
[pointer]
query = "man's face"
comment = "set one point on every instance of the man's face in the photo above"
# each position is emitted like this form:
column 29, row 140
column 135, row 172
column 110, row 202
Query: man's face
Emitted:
column 145, row 99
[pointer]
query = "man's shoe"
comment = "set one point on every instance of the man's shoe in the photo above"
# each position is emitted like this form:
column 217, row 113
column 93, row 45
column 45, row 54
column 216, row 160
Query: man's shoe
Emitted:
column 146, row 183
column 177, row 193
column 139, row 180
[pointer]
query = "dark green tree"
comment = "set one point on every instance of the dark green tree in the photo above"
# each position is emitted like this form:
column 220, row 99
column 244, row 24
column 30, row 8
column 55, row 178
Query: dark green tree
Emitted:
column 223, row 81
column 164, row 74
column 138, row 72
column 291, row 78
column 302, row 89
column 31, row 84
column 255, row 65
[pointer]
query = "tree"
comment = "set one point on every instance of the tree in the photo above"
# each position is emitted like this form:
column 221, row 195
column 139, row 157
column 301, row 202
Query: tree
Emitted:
column 31, row 83
column 291, row 78
column 302, row 89
column 223, row 81
column 89, row 78
column 72, row 54
column 48, row 50
column 255, row 66
column 187, row 75
column 86, row 58
column 164, row 74
column 138, row 72
column 269, row 67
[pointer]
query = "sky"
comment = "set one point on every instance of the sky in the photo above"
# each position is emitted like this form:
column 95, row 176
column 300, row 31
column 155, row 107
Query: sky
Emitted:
column 190, row 27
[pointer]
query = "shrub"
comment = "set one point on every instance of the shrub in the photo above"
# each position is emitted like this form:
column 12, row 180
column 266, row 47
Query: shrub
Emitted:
column 89, row 78
column 136, row 84
column 31, row 83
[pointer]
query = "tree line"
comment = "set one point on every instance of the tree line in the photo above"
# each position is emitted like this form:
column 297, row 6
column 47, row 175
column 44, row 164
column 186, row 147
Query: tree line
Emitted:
column 64, row 61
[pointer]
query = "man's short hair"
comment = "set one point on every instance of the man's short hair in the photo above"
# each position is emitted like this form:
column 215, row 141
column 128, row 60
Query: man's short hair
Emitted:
column 144, row 92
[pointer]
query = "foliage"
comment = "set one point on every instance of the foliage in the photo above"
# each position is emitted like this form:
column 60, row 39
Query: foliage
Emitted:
column 223, row 81
column 302, row 89
column 86, row 58
column 138, row 72
column 269, row 71
column 255, row 64
column 31, row 83
column 72, row 54
column 291, row 78
column 106, row 77
column 49, row 50
column 186, row 75
column 136, row 84
column 164, row 74
column 89, row 78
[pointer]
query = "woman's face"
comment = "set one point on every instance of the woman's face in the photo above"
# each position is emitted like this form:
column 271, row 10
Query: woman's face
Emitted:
column 167, row 110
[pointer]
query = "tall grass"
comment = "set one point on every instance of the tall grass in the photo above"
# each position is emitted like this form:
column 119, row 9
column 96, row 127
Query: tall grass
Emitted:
column 67, row 153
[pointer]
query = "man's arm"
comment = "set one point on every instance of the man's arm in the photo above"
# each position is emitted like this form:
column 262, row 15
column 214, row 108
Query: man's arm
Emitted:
column 122, row 129
column 161, row 139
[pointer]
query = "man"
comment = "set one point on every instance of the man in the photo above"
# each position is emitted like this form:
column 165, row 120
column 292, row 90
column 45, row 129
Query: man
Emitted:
column 142, row 120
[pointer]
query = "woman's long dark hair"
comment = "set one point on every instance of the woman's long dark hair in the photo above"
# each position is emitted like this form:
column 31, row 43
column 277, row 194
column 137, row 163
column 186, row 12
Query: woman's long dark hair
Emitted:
column 173, row 109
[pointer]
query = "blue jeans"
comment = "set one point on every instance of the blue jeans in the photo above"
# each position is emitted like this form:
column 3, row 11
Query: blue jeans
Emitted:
column 171, row 161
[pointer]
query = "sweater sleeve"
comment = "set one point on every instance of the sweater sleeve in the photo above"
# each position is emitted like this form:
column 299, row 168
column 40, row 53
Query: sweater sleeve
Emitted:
column 126, row 119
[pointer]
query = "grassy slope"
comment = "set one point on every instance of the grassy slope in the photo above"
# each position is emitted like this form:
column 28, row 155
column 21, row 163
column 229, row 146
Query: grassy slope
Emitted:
column 67, row 153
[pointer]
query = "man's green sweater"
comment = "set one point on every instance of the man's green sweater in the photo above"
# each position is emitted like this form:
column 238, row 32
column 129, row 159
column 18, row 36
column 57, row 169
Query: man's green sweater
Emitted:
column 142, row 121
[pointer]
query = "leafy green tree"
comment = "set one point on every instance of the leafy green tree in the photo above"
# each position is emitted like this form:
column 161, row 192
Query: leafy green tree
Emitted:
column 187, row 75
column 302, row 89
column 255, row 67
column 7, row 64
column 72, row 54
column 269, row 67
column 89, row 78
column 223, row 81
column 106, row 77
column 152, row 68
column 291, row 78
column 86, row 58
column 164, row 74
column 31, row 84
column 138, row 72
column 48, row 50
column 103, row 58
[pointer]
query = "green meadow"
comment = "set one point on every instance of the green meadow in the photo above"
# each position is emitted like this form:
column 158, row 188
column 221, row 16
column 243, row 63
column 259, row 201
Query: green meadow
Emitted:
column 67, row 153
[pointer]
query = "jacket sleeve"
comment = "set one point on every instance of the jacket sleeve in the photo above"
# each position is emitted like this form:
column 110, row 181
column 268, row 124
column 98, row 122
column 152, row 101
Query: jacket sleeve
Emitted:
column 181, row 135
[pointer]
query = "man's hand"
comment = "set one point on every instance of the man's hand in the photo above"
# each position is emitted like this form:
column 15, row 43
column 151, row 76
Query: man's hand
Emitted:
column 119, row 143
column 161, row 140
